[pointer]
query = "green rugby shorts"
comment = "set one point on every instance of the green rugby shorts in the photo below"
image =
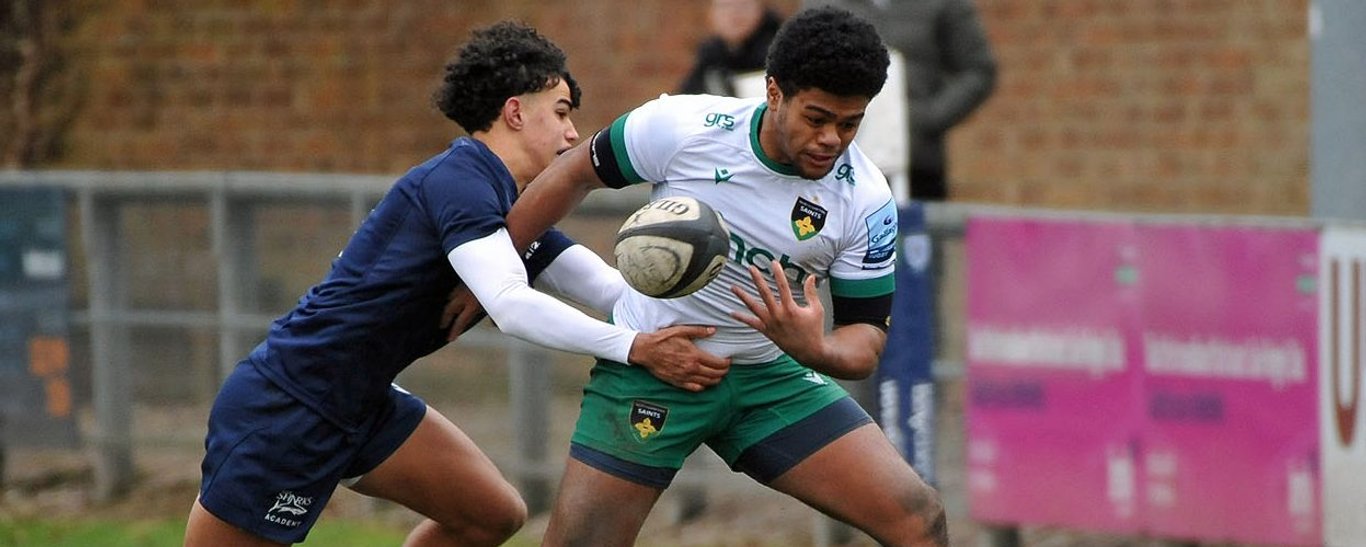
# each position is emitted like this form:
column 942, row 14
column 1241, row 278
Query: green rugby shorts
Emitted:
column 761, row 419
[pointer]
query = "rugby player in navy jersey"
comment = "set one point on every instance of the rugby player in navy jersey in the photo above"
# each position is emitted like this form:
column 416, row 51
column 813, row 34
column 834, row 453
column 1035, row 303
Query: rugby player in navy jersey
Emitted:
column 313, row 406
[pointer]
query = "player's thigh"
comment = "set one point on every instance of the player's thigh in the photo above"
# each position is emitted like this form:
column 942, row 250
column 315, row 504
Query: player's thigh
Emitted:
column 597, row 508
column 206, row 530
column 859, row 478
column 439, row 472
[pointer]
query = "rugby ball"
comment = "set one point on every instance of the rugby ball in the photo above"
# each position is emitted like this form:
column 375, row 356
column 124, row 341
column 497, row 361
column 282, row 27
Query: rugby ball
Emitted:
column 672, row 247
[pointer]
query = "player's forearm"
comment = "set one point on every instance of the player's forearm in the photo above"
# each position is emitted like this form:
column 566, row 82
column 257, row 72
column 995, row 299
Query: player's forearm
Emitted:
column 582, row 276
column 540, row 319
column 492, row 271
column 850, row 352
column 551, row 196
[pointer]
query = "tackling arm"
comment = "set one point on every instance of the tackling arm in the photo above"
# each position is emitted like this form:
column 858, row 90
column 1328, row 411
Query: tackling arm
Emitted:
column 582, row 276
column 669, row 353
column 552, row 195
column 493, row 272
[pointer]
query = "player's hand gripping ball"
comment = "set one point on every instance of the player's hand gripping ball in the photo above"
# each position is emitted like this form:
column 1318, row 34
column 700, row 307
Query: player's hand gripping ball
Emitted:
column 672, row 247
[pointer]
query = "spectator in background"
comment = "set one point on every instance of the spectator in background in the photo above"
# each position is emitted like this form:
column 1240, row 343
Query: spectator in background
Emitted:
column 950, row 71
column 742, row 30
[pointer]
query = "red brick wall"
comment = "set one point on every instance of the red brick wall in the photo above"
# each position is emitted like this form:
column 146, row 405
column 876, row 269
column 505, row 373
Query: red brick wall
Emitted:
column 335, row 86
column 1163, row 105
column 1160, row 105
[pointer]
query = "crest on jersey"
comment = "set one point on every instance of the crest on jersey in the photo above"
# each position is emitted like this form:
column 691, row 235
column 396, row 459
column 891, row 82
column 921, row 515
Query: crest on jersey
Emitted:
column 807, row 219
column 647, row 420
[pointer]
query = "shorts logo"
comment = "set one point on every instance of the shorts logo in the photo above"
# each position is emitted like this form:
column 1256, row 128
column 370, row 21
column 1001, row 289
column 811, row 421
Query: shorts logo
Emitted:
column 813, row 377
column 288, row 504
column 647, row 419
column 807, row 219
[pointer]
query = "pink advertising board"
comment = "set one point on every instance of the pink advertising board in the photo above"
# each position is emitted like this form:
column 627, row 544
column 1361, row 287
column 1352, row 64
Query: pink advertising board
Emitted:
column 1053, row 411
column 1229, row 336
column 1207, row 431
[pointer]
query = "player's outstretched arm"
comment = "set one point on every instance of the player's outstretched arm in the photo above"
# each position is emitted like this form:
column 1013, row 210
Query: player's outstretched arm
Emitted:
column 552, row 195
column 849, row 352
column 669, row 354
column 579, row 274
column 495, row 275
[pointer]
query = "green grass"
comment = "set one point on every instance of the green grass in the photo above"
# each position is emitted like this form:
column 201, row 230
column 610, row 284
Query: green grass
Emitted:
column 169, row 533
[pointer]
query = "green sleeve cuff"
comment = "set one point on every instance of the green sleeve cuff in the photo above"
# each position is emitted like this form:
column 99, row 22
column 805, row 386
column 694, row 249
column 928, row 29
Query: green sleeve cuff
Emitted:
column 863, row 288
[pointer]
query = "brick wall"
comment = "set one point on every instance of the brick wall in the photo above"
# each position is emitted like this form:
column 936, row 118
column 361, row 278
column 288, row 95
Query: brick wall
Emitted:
column 1155, row 105
column 1162, row 105
column 335, row 86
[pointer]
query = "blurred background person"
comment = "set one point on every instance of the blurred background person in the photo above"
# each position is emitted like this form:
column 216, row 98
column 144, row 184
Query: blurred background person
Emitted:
column 741, row 31
column 950, row 71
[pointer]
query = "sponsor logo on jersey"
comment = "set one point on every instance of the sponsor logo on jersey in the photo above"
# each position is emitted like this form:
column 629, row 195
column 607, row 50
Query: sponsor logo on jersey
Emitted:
column 807, row 219
column 747, row 255
column 813, row 377
column 723, row 175
column 845, row 172
column 724, row 121
column 881, row 237
column 647, row 419
column 287, row 508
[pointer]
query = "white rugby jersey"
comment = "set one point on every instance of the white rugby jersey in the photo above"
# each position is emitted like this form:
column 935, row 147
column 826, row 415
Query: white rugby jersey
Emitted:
column 841, row 228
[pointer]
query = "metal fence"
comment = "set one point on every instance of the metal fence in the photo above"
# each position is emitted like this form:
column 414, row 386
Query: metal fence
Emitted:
column 222, row 288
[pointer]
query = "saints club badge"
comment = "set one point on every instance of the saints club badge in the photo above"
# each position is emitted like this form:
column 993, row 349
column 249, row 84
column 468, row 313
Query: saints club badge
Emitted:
column 647, row 419
column 807, row 219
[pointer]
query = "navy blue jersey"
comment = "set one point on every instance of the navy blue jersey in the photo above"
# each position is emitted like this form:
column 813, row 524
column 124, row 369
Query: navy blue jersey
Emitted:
column 379, row 309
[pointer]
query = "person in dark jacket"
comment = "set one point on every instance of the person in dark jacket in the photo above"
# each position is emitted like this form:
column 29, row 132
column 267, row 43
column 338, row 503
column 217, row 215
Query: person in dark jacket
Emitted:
column 742, row 30
column 950, row 71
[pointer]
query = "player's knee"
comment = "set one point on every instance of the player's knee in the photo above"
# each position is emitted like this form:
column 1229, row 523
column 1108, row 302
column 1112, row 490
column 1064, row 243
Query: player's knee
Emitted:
column 504, row 516
column 925, row 510
column 512, row 516
column 936, row 523
column 492, row 521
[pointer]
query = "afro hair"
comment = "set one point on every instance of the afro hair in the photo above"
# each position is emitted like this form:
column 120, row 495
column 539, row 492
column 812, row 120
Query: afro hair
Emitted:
column 829, row 49
column 499, row 62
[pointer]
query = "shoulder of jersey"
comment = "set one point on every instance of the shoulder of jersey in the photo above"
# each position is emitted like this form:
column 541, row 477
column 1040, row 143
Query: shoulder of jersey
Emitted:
column 709, row 111
column 865, row 175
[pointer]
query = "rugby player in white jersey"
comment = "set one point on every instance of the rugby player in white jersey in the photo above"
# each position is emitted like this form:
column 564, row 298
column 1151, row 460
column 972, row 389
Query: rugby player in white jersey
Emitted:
column 803, row 205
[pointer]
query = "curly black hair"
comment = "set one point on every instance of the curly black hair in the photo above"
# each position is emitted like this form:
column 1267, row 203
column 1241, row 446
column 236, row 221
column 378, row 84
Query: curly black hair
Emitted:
column 829, row 49
column 502, row 61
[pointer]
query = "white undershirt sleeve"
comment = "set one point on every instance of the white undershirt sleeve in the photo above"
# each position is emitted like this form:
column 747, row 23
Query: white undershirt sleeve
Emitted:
column 492, row 270
column 582, row 276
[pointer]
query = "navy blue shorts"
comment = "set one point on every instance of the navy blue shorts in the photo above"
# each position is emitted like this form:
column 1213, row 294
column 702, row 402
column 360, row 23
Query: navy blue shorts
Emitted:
column 271, row 462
